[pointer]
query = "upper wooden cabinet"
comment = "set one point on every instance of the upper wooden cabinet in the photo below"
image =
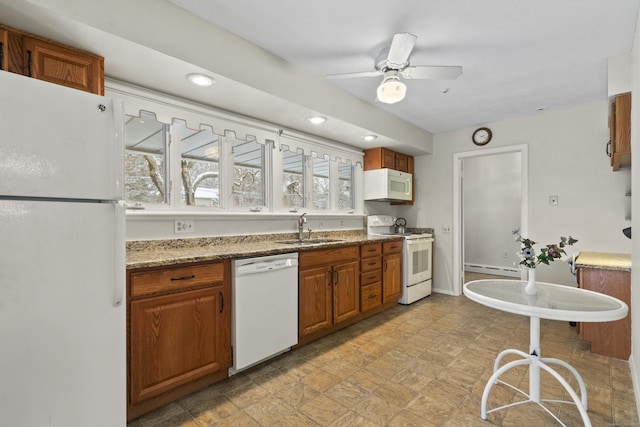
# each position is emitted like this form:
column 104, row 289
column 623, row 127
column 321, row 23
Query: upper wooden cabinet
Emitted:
column 43, row 59
column 380, row 157
column 620, row 131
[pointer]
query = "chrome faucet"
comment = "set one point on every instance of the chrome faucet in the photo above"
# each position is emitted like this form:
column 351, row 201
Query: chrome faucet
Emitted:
column 301, row 221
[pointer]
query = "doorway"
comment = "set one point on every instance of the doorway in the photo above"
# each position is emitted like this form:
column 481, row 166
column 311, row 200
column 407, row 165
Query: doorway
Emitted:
column 459, row 160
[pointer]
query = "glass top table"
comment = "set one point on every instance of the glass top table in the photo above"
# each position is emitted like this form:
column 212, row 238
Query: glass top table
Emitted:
column 555, row 302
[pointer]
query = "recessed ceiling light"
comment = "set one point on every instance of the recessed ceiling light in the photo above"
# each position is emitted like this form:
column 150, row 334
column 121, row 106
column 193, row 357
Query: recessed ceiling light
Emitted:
column 369, row 137
column 317, row 120
column 200, row 79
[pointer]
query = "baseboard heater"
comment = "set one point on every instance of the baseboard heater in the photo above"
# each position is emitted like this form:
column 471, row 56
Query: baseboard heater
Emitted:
column 492, row 269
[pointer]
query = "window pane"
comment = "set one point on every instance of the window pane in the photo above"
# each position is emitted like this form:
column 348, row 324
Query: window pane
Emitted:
column 248, row 173
column 145, row 159
column 321, row 186
column 292, row 179
column 345, row 186
column 199, row 166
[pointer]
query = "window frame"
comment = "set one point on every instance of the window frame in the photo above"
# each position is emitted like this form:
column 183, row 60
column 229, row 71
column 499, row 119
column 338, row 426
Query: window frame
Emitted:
column 168, row 110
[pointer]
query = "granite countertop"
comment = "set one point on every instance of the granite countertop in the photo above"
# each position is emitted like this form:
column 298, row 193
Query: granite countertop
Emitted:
column 153, row 253
column 604, row 260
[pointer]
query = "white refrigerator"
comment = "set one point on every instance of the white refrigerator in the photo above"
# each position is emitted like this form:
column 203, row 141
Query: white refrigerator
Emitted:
column 62, row 257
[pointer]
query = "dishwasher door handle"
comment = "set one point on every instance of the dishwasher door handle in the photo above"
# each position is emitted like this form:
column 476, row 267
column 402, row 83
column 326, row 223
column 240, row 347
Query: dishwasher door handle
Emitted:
column 265, row 267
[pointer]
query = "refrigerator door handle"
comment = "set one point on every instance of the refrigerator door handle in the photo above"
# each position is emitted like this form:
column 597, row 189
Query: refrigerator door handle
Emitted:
column 120, row 255
column 118, row 147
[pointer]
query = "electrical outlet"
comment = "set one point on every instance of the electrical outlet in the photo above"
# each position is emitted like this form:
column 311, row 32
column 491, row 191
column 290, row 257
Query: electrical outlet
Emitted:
column 505, row 254
column 183, row 226
column 446, row 229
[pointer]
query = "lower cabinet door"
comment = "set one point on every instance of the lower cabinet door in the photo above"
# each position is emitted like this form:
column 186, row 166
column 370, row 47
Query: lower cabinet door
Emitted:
column 176, row 339
column 391, row 277
column 314, row 300
column 346, row 291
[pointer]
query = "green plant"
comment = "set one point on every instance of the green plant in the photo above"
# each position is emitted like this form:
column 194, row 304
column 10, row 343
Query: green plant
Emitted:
column 547, row 254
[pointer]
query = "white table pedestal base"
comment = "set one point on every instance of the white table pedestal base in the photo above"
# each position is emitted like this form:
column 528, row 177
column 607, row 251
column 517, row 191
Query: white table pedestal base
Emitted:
column 536, row 363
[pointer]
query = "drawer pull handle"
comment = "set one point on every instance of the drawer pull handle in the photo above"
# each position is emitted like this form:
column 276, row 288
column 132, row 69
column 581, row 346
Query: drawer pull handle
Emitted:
column 371, row 250
column 1, row 55
column 371, row 277
column 193, row 276
column 372, row 263
column 221, row 302
column 373, row 296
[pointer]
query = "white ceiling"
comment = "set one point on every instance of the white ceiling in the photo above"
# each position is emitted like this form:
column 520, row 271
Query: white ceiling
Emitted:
column 517, row 55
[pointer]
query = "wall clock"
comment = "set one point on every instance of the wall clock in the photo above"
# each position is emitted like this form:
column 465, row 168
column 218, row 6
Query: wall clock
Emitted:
column 481, row 136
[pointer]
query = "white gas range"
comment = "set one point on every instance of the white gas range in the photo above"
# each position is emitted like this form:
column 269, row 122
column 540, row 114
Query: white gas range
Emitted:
column 417, row 257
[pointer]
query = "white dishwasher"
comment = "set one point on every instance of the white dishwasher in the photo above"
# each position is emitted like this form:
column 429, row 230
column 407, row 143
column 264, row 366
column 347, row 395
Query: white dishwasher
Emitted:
column 265, row 308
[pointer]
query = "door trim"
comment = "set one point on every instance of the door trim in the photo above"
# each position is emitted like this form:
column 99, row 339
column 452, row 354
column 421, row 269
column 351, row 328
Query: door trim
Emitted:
column 523, row 149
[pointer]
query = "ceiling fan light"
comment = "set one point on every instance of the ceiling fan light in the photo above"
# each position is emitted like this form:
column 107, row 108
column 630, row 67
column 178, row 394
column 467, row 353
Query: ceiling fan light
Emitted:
column 391, row 90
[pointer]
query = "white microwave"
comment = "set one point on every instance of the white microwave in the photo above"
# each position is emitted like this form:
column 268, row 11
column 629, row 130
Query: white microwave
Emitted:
column 387, row 184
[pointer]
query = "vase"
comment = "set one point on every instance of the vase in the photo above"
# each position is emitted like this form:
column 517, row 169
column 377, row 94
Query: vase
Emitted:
column 531, row 288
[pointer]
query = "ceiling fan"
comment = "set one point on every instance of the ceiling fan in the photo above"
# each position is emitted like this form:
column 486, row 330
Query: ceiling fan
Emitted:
column 393, row 62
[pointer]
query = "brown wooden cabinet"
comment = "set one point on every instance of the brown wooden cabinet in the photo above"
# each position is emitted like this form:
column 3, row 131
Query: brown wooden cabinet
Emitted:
column 179, row 337
column 43, row 59
column 391, row 271
column 380, row 157
column 329, row 289
column 611, row 339
column 620, row 131
column 370, row 276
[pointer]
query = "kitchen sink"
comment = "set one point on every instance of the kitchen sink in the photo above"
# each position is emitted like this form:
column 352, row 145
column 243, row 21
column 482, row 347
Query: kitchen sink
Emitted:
column 308, row 241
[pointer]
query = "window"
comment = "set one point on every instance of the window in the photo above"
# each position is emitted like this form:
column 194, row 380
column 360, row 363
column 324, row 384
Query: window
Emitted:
column 187, row 157
column 345, row 186
column 293, row 179
column 321, row 184
column 145, row 159
column 199, row 165
column 248, row 172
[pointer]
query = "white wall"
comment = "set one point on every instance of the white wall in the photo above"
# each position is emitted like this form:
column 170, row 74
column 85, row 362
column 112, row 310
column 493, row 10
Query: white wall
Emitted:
column 491, row 202
column 566, row 158
column 144, row 226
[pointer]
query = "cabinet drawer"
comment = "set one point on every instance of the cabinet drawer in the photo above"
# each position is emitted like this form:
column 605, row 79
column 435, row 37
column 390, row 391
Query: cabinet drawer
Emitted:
column 372, row 249
column 370, row 264
column 328, row 256
column 392, row 247
column 370, row 296
column 175, row 278
column 370, row 277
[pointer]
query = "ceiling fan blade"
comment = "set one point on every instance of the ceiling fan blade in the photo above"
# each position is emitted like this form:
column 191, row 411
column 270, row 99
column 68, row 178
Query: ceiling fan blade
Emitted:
column 435, row 72
column 400, row 49
column 373, row 73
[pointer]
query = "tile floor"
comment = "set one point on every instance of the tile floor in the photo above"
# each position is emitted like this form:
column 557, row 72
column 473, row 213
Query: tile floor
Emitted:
column 420, row 365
